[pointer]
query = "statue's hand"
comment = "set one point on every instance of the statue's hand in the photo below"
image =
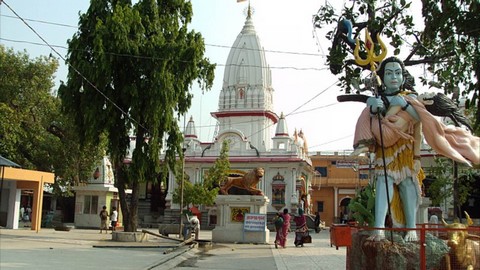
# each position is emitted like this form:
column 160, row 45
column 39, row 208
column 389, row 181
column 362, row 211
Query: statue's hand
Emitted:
column 376, row 105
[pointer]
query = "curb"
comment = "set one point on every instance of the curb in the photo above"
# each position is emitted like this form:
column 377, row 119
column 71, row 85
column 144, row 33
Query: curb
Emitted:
column 175, row 258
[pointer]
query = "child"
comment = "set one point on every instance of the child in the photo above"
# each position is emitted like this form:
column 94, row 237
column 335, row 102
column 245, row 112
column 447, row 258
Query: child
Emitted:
column 114, row 218
column 103, row 219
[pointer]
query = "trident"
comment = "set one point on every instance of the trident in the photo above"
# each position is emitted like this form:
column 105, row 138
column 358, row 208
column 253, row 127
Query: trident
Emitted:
column 372, row 60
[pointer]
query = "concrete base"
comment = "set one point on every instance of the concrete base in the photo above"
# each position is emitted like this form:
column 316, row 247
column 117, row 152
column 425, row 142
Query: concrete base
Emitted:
column 166, row 229
column 229, row 228
column 129, row 236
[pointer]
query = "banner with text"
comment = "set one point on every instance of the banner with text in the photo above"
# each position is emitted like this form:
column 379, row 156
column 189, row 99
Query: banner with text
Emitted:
column 255, row 222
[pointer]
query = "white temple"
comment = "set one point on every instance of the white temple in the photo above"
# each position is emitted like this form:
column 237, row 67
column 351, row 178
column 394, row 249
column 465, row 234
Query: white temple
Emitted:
column 246, row 118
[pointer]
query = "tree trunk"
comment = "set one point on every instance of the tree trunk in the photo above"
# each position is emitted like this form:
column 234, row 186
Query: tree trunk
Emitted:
column 129, row 207
column 132, row 222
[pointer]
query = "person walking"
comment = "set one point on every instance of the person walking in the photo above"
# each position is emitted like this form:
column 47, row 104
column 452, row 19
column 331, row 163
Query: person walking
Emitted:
column 285, row 228
column 103, row 219
column 114, row 218
column 278, row 221
column 317, row 222
column 301, row 231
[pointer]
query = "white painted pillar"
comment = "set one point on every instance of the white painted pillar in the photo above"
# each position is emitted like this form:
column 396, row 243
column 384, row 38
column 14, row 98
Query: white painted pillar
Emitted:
column 13, row 211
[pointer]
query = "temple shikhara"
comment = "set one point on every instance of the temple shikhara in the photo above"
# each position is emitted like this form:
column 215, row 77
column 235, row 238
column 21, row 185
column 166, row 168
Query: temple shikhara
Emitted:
column 257, row 135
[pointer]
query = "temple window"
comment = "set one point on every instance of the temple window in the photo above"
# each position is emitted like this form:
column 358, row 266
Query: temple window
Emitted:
column 90, row 205
column 278, row 191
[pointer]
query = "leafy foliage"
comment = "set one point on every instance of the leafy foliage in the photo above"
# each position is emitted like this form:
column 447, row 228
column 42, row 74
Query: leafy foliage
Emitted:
column 448, row 45
column 34, row 133
column 363, row 206
column 219, row 171
column 443, row 185
column 131, row 69
column 204, row 193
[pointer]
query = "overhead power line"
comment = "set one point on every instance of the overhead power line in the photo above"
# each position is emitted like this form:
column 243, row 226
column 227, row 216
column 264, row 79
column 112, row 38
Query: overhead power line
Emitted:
column 158, row 58
column 206, row 44
column 52, row 47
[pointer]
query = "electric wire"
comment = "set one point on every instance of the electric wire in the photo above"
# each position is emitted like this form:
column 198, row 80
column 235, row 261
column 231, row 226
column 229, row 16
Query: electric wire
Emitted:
column 52, row 47
column 305, row 103
column 181, row 61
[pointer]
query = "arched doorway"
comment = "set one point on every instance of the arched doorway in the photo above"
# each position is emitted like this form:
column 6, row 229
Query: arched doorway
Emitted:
column 344, row 214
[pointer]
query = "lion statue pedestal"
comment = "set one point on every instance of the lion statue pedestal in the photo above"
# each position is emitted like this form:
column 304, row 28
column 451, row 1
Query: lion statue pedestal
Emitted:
column 231, row 210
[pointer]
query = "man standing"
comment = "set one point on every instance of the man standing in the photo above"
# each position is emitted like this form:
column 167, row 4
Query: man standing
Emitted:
column 103, row 219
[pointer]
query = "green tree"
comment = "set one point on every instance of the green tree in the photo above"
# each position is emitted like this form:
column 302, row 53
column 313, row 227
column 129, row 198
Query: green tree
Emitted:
column 219, row 171
column 26, row 102
column 131, row 68
column 34, row 133
column 444, row 185
column 204, row 193
column 448, row 45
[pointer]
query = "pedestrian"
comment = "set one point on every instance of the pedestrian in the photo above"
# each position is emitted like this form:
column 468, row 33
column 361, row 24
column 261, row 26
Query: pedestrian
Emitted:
column 22, row 212
column 29, row 212
column 301, row 231
column 317, row 222
column 114, row 218
column 103, row 219
column 285, row 228
column 278, row 221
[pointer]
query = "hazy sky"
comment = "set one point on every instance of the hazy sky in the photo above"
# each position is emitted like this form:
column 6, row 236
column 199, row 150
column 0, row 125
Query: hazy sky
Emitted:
column 305, row 90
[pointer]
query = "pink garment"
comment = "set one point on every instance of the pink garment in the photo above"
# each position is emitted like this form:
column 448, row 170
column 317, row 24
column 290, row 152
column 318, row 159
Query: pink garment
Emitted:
column 452, row 142
column 279, row 235
column 300, row 221
column 285, row 228
column 367, row 130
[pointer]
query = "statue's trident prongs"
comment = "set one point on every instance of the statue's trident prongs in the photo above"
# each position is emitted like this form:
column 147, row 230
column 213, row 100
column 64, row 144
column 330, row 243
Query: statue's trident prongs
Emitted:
column 372, row 60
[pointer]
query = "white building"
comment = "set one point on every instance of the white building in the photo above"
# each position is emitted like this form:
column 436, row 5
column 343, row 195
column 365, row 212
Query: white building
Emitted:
column 247, row 119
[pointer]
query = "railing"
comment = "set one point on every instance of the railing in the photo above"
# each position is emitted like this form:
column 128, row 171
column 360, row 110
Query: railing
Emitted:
column 437, row 248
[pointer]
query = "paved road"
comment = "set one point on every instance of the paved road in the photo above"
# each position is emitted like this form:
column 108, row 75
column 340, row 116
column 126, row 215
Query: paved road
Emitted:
column 87, row 249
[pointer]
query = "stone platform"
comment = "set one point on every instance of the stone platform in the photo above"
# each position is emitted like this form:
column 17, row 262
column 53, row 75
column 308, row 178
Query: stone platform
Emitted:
column 231, row 212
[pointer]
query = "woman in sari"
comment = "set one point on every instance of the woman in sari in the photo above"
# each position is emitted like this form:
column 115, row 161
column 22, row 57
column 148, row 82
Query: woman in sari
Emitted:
column 278, row 221
column 285, row 228
column 302, row 230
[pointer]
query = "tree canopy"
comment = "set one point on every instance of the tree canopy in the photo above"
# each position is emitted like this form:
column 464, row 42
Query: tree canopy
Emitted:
column 205, row 192
column 131, row 68
column 446, row 44
column 34, row 133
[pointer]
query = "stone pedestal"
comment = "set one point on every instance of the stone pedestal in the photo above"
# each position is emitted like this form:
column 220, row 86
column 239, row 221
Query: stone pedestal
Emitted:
column 122, row 236
column 231, row 210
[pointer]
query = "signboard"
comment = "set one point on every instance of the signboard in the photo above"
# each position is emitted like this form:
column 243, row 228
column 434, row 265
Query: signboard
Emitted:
column 346, row 163
column 255, row 222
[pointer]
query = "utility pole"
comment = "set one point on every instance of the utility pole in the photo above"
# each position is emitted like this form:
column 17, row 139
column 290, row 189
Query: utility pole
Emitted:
column 180, row 233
